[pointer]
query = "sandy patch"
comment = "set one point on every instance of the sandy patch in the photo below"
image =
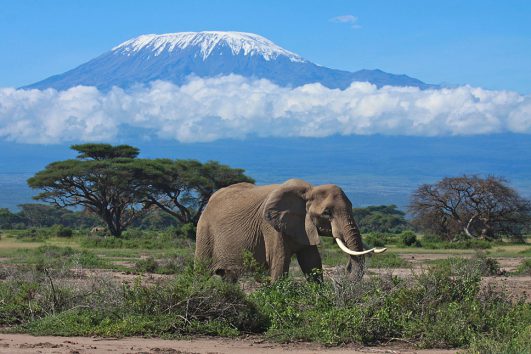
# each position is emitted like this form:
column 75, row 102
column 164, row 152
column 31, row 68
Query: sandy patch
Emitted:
column 22, row 343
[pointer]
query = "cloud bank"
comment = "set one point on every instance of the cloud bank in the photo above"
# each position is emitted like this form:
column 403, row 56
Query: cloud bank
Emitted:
column 206, row 109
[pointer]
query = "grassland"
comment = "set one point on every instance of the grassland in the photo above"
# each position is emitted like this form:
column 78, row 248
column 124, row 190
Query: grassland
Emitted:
column 144, row 285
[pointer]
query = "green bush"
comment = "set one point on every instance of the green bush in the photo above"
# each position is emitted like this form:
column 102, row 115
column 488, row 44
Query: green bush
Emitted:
column 374, row 239
column 521, row 343
column 63, row 231
column 173, row 264
column 439, row 309
column 148, row 265
column 479, row 264
column 191, row 304
column 409, row 238
column 381, row 218
column 524, row 268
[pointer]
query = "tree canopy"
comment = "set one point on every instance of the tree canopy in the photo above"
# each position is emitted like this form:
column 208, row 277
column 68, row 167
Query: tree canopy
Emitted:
column 182, row 188
column 485, row 208
column 101, row 180
column 105, row 151
column 380, row 218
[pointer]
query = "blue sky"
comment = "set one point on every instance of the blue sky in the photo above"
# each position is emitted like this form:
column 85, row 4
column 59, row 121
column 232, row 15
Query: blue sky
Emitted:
column 482, row 43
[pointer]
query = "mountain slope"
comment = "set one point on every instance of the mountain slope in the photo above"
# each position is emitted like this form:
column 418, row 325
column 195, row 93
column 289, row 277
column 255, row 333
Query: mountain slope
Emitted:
column 174, row 57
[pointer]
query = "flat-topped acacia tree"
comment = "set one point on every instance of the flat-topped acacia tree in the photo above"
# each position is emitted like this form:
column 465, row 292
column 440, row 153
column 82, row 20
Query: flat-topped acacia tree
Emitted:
column 111, row 182
column 102, row 179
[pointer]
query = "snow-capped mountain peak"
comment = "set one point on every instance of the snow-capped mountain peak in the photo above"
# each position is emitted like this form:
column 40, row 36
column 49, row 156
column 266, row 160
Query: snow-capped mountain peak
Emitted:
column 174, row 57
column 248, row 44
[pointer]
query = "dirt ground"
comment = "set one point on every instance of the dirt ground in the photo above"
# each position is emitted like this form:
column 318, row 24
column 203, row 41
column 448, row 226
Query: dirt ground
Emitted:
column 21, row 343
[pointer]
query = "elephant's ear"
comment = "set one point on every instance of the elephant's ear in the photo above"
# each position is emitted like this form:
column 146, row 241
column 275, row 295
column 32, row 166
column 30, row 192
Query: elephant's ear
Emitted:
column 285, row 210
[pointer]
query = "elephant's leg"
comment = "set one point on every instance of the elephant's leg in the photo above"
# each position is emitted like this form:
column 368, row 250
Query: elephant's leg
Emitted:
column 230, row 276
column 278, row 255
column 280, row 266
column 203, row 247
column 310, row 262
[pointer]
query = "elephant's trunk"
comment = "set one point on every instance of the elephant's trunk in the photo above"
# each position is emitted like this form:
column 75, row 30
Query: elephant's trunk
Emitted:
column 347, row 235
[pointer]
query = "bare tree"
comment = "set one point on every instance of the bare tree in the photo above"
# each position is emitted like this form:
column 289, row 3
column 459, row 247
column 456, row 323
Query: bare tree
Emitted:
column 484, row 208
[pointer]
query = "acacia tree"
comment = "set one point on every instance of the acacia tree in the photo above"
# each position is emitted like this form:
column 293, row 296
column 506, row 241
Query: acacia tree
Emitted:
column 182, row 188
column 484, row 208
column 103, row 179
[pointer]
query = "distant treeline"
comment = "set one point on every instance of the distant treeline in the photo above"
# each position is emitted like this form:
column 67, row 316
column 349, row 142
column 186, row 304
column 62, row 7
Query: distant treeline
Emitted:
column 42, row 215
column 382, row 218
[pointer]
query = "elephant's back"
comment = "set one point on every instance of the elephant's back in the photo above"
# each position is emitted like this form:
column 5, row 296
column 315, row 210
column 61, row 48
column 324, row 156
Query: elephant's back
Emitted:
column 238, row 197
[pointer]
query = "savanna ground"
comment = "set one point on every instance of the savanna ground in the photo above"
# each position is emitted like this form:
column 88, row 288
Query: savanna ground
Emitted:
column 138, row 294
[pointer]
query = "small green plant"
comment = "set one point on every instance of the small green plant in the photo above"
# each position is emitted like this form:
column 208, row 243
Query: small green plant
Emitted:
column 253, row 268
column 147, row 265
column 524, row 268
column 188, row 231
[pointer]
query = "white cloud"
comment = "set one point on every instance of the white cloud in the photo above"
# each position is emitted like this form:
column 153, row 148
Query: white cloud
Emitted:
column 348, row 19
column 234, row 107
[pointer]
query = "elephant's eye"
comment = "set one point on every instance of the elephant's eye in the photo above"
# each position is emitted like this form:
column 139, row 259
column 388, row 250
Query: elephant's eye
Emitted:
column 327, row 213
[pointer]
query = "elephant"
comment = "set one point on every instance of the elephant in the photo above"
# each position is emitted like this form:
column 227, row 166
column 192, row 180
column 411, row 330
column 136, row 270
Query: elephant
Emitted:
column 273, row 223
column 99, row 231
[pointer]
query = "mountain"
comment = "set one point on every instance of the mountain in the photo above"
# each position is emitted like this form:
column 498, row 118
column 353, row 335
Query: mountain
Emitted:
column 175, row 56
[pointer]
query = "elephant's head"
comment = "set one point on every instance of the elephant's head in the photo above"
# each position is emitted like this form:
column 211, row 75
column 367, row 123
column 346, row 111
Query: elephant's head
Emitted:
column 303, row 212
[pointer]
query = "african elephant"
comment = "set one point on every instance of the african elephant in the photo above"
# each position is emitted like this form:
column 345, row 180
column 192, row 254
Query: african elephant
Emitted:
column 273, row 223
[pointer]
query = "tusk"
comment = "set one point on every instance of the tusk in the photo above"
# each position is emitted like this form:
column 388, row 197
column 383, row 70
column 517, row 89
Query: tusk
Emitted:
column 351, row 252
column 380, row 250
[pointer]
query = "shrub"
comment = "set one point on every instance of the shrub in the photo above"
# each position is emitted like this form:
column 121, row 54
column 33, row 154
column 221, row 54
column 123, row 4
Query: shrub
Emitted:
column 148, row 264
column 171, row 265
column 191, row 304
column 375, row 240
column 524, row 268
column 438, row 308
column 188, row 231
column 63, row 231
column 382, row 218
column 408, row 238
column 479, row 264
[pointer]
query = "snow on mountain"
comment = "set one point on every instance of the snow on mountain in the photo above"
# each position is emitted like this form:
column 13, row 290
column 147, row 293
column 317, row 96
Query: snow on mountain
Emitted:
column 206, row 42
column 175, row 56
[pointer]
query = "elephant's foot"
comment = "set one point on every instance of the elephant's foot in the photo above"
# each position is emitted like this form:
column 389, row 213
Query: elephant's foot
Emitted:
column 230, row 276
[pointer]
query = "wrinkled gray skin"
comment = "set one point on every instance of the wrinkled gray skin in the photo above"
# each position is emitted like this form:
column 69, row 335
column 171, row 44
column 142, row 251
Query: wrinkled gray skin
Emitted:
column 272, row 223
